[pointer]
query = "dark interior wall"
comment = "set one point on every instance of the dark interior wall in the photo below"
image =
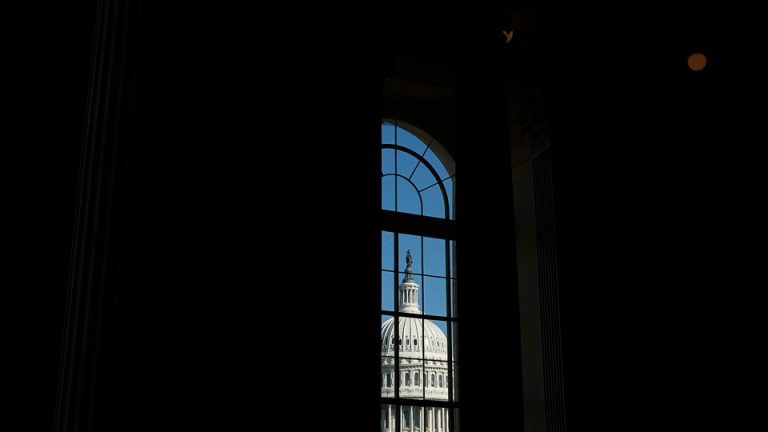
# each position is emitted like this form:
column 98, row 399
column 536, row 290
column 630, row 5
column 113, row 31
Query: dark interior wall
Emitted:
column 245, row 133
column 230, row 118
column 44, row 92
column 603, row 302
column 488, row 298
column 325, row 210
column 651, row 213
column 698, row 207
column 245, row 229
column 191, row 170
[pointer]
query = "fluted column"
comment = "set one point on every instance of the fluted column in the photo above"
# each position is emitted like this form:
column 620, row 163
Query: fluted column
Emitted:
column 81, row 398
column 442, row 419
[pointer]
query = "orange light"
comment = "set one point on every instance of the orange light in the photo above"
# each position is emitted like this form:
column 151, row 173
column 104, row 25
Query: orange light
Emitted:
column 697, row 61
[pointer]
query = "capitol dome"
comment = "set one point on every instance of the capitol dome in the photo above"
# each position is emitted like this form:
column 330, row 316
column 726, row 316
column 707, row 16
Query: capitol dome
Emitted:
column 423, row 358
column 435, row 345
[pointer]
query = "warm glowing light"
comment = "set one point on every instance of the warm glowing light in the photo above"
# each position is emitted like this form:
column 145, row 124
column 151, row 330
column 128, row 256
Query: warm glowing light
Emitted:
column 697, row 61
column 507, row 36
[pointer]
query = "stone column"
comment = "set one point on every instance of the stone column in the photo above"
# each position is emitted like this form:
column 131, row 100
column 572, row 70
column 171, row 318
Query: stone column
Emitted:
column 442, row 419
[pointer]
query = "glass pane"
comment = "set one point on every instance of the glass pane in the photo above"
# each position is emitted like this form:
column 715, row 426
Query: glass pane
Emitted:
column 387, row 250
column 434, row 256
column 388, row 418
column 406, row 413
column 387, row 133
column 388, row 192
column 410, row 298
column 387, row 342
column 387, row 290
column 410, row 367
column 408, row 200
column 385, row 323
column 387, row 335
column 443, row 326
column 387, row 161
column 407, row 139
column 436, row 164
column 408, row 242
column 387, row 376
column 437, row 385
column 435, row 419
column 414, row 419
column 405, row 163
column 422, row 178
column 434, row 202
column 434, row 296
column 435, row 364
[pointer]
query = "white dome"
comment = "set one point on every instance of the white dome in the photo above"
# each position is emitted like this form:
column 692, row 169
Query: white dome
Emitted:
column 416, row 341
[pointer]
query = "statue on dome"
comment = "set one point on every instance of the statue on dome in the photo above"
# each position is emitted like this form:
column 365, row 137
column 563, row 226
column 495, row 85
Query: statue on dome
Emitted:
column 408, row 263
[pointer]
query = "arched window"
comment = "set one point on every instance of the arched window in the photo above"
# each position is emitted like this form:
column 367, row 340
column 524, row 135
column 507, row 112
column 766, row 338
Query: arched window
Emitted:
column 417, row 173
column 418, row 269
column 407, row 378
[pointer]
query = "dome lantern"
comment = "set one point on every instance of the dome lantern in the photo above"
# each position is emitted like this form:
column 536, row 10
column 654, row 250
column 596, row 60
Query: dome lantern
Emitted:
column 409, row 289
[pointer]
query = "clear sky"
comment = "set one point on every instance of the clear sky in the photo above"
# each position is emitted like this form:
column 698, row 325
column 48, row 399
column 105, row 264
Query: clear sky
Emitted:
column 429, row 261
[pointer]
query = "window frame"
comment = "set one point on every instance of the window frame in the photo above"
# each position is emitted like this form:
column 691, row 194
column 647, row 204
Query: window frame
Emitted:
column 424, row 226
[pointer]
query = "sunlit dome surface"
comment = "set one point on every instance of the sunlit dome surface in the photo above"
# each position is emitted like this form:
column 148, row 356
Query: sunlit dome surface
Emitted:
column 433, row 345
